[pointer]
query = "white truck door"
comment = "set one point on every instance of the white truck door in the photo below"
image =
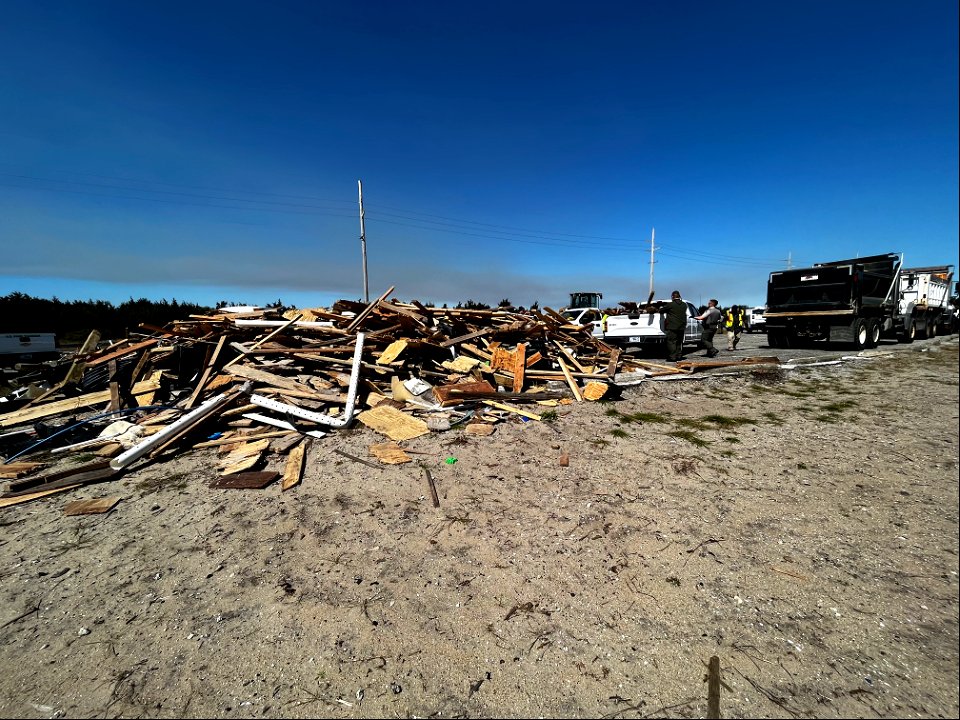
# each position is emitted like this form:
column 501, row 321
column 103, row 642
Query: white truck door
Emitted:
column 694, row 328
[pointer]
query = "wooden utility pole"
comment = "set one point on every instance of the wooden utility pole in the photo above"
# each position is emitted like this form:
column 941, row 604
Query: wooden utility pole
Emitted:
column 653, row 233
column 363, row 246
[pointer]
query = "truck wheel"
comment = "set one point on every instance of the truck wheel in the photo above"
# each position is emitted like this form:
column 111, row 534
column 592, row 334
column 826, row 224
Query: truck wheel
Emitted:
column 773, row 339
column 873, row 333
column 909, row 333
column 860, row 333
column 932, row 328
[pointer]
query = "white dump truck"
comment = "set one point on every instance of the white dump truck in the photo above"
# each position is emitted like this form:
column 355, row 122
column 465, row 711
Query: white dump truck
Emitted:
column 924, row 308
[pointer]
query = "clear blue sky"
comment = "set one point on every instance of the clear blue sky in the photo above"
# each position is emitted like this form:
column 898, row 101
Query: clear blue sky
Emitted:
column 211, row 150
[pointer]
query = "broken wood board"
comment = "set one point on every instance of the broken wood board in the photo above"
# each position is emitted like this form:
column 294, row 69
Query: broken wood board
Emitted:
column 570, row 381
column 16, row 469
column 246, row 480
column 394, row 424
column 243, row 457
column 392, row 352
column 461, row 364
column 36, row 412
column 27, row 497
column 448, row 395
column 479, row 429
column 693, row 365
column 390, row 454
column 95, row 506
column 293, row 470
column 508, row 408
column 595, row 390
column 278, row 381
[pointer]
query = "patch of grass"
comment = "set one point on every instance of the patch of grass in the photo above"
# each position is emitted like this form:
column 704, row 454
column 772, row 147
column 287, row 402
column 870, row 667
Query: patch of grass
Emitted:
column 690, row 423
column 645, row 417
column 80, row 458
column 723, row 421
column 549, row 416
column 156, row 483
column 732, row 440
column 689, row 436
column 618, row 432
column 599, row 442
column 839, row 407
column 830, row 419
column 801, row 466
column 727, row 453
column 773, row 418
column 612, row 412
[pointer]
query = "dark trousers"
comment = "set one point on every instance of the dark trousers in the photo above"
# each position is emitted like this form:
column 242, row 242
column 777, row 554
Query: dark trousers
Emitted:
column 674, row 344
column 707, row 340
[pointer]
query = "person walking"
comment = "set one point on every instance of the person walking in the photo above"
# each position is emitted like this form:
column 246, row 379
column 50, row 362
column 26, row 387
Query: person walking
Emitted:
column 733, row 323
column 674, row 325
column 711, row 321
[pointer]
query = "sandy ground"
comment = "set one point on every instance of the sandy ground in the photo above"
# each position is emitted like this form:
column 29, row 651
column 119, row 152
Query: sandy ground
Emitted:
column 801, row 526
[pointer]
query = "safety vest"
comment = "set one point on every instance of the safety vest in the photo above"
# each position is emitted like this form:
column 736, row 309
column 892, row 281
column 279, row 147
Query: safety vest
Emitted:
column 734, row 320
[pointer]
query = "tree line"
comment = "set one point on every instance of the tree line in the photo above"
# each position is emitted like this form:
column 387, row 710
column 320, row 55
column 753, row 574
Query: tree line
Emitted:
column 73, row 320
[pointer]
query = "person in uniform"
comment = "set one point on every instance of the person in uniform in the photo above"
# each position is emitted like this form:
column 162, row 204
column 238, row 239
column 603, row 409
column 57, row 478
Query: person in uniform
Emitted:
column 674, row 325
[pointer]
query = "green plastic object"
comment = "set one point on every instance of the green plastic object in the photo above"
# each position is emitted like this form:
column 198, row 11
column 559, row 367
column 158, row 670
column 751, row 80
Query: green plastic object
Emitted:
column 450, row 460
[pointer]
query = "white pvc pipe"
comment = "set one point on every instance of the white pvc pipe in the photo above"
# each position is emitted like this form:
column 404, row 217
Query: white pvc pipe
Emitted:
column 138, row 451
column 282, row 424
column 339, row 421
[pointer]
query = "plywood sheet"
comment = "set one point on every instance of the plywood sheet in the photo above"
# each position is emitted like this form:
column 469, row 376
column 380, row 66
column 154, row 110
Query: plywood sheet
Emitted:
column 393, row 423
column 391, row 352
column 595, row 390
column 389, row 454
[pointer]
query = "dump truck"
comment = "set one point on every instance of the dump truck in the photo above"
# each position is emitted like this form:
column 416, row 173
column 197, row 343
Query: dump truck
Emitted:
column 857, row 301
column 924, row 306
column 852, row 301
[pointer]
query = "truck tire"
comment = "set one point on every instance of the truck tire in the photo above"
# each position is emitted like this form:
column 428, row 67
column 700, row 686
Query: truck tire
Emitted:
column 909, row 333
column 932, row 328
column 861, row 333
column 773, row 338
column 873, row 333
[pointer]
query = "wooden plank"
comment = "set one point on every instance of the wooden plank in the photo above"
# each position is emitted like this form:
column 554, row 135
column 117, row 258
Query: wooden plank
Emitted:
column 96, row 506
column 233, row 439
column 114, row 387
column 16, row 469
column 122, row 352
column 463, row 338
column 246, row 480
column 243, row 457
column 279, row 381
column 595, row 390
column 570, row 381
column 27, row 497
column 267, row 337
column 25, row 415
column 570, row 357
column 293, row 470
column 367, row 310
column 519, row 366
column 206, row 372
column 508, row 408
column 614, row 359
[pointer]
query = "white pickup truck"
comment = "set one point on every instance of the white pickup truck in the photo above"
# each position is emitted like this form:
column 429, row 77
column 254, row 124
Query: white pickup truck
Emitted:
column 637, row 330
column 582, row 316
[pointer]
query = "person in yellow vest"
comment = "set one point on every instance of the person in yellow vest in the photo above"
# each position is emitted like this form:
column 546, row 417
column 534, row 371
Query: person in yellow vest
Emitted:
column 733, row 322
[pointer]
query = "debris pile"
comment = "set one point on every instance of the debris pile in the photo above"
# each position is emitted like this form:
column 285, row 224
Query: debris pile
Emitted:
column 251, row 381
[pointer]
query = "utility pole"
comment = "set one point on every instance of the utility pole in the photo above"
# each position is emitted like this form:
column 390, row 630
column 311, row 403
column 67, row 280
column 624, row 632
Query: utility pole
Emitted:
column 653, row 234
column 363, row 246
column 790, row 260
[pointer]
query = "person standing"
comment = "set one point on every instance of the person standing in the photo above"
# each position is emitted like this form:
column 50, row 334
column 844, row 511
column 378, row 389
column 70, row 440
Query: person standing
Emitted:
column 674, row 325
column 711, row 321
column 733, row 324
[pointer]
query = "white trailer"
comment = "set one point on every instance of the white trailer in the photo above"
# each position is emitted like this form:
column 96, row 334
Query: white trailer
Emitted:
column 28, row 343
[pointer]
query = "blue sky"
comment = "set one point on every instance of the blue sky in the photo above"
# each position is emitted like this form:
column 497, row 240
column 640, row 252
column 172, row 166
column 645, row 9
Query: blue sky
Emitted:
column 211, row 150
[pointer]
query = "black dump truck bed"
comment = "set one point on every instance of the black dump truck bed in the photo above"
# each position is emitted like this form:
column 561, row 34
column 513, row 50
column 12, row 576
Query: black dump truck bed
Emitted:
column 842, row 285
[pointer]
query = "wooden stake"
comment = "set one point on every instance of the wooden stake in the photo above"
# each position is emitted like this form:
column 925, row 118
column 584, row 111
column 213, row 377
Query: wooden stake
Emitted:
column 433, row 488
column 713, row 688
column 570, row 381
